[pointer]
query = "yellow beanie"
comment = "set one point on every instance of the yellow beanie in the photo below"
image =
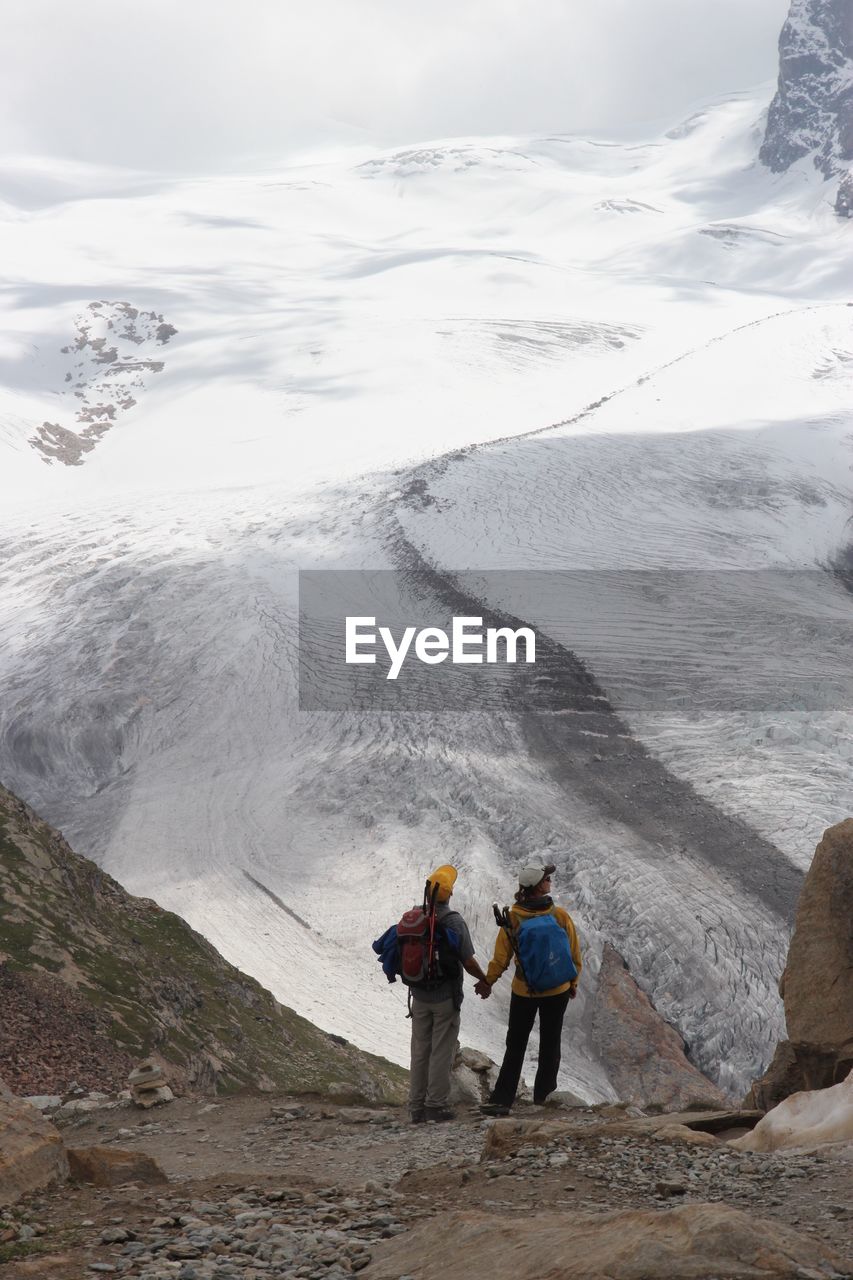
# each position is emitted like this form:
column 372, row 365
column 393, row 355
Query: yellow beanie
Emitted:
column 445, row 878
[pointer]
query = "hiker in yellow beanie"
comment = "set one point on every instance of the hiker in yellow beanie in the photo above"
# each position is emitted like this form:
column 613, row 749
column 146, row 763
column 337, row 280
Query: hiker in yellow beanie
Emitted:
column 434, row 945
column 445, row 878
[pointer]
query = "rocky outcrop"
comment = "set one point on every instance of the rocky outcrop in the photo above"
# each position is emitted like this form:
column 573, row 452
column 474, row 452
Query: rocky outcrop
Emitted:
column 817, row 984
column 473, row 1077
column 31, row 1152
column 92, row 980
column 646, row 1057
column 111, row 1167
column 507, row 1137
column 822, row 1119
column 812, row 112
column 782, row 1078
column 844, row 198
column 107, row 366
column 694, row 1241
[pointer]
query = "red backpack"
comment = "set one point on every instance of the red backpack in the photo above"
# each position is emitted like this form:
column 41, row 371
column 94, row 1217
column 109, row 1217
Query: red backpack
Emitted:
column 425, row 955
column 416, row 942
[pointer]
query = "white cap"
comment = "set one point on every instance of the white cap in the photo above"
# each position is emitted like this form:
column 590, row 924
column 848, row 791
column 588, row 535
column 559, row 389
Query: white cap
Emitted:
column 534, row 872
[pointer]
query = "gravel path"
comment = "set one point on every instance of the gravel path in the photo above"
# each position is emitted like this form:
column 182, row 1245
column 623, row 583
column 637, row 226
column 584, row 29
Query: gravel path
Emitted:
column 283, row 1187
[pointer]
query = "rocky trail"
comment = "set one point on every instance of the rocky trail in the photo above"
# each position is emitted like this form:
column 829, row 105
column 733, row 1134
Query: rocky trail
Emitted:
column 275, row 1186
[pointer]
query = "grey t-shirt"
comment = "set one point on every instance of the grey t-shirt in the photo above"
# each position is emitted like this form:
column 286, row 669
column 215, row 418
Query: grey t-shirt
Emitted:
column 452, row 988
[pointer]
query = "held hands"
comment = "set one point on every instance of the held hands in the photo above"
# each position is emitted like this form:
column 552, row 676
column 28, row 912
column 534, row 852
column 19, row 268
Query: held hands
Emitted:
column 483, row 989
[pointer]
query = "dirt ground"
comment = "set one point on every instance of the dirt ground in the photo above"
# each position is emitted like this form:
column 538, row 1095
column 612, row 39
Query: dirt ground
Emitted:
column 211, row 1150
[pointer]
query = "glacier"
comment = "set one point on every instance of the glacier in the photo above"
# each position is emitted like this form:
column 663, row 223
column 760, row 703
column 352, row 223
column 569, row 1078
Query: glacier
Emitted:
column 550, row 354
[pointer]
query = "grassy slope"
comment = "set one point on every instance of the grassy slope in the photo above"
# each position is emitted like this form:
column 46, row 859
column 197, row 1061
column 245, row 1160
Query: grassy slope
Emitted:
column 160, row 984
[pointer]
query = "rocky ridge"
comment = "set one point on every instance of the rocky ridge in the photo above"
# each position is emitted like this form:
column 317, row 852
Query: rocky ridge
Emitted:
column 812, row 112
column 94, row 979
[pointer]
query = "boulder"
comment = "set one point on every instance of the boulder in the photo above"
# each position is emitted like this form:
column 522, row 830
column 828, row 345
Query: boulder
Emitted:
column 466, row 1086
column 45, row 1101
column 646, row 1058
column 817, row 984
column 111, row 1167
column 83, row 1106
column 475, row 1059
column 692, row 1242
column 819, row 1120
column 506, row 1136
column 32, row 1155
column 473, row 1076
column 564, row 1100
column 783, row 1077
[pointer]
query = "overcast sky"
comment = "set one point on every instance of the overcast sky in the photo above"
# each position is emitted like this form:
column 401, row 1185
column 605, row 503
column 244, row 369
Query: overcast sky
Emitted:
column 193, row 84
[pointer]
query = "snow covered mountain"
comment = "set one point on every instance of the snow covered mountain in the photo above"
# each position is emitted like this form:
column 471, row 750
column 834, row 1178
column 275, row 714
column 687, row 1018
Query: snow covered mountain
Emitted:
column 812, row 112
column 366, row 361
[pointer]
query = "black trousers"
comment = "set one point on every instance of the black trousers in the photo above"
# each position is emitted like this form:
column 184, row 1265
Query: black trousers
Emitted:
column 522, row 1015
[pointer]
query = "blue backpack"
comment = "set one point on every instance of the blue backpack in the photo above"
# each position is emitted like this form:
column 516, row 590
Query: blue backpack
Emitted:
column 544, row 953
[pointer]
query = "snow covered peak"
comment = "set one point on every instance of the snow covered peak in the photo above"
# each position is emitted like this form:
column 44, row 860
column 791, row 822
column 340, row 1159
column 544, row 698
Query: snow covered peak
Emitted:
column 812, row 112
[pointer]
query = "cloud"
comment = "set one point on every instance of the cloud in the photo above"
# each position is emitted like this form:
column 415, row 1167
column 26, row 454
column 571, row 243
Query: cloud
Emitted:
column 206, row 83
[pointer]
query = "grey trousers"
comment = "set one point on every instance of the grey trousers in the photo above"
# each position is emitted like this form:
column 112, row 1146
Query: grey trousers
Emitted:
column 435, row 1030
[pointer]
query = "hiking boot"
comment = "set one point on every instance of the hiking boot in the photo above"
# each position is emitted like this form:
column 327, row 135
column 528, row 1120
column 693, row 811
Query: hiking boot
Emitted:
column 418, row 1115
column 495, row 1109
column 439, row 1114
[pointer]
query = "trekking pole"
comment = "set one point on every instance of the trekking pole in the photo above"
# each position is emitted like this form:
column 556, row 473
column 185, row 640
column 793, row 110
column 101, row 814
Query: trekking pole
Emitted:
column 504, row 921
column 431, row 901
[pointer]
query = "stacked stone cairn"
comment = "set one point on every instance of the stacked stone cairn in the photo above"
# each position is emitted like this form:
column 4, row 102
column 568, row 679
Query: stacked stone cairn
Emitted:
column 148, row 1086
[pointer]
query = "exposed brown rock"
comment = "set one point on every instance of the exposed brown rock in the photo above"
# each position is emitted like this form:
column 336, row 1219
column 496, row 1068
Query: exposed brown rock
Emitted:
column 818, row 978
column 692, row 1242
column 782, row 1078
column 506, row 1136
column 646, row 1057
column 56, row 442
column 817, row 985
column 31, row 1152
column 111, row 1167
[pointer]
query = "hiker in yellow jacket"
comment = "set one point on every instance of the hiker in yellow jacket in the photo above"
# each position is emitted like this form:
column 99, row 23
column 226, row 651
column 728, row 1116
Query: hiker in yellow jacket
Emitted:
column 532, row 899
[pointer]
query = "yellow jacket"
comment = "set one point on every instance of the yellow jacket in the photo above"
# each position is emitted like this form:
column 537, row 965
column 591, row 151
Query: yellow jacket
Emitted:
column 504, row 953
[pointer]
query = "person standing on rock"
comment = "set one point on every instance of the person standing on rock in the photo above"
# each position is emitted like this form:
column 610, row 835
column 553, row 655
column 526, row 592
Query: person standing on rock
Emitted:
column 542, row 939
column 429, row 949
